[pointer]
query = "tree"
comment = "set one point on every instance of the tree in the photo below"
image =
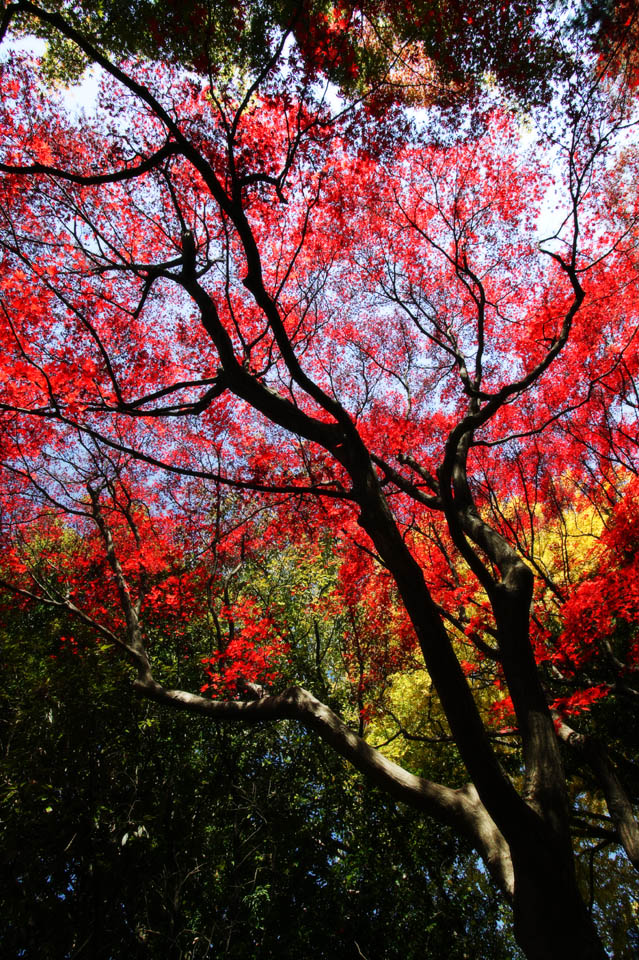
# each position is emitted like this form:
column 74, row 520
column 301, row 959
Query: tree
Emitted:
column 350, row 324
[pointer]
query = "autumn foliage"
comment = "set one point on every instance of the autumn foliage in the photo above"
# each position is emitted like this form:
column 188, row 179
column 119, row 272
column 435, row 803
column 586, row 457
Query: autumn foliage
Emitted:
column 333, row 394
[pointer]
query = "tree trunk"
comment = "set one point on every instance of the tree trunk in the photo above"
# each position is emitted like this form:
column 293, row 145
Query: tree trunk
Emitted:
column 551, row 921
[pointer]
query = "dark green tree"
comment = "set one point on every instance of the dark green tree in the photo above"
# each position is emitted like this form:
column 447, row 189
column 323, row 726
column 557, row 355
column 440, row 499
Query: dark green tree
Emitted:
column 131, row 832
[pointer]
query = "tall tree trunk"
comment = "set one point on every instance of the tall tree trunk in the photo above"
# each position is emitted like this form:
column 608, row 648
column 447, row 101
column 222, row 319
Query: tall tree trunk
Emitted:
column 551, row 921
column 550, row 917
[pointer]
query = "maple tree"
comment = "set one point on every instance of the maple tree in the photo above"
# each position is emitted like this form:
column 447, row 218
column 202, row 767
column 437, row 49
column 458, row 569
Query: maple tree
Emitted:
column 236, row 319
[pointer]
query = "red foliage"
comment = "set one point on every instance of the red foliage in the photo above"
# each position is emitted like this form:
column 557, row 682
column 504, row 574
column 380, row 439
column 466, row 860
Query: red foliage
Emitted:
column 254, row 654
column 397, row 273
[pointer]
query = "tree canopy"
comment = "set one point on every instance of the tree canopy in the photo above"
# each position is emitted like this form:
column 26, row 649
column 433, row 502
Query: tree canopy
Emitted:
column 319, row 404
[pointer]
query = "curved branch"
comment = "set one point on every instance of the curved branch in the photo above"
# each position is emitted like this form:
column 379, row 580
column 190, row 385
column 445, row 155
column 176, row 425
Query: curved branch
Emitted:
column 116, row 176
column 459, row 808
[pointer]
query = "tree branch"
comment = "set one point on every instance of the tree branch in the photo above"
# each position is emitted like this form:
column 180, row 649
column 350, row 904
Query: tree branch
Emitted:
column 460, row 808
column 617, row 801
column 116, row 176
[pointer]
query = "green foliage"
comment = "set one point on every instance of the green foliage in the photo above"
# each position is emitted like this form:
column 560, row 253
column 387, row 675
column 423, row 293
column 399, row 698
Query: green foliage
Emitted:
column 422, row 50
column 129, row 832
column 196, row 34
